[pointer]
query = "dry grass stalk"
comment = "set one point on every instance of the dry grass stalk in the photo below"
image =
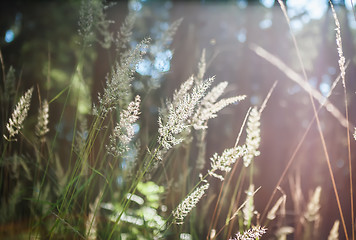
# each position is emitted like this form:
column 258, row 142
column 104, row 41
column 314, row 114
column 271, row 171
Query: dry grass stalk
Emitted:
column 291, row 74
column 313, row 94
column 342, row 70
column 300, row 143
column 264, row 104
column 296, row 189
column 323, row 101
column 236, row 213
column 280, row 203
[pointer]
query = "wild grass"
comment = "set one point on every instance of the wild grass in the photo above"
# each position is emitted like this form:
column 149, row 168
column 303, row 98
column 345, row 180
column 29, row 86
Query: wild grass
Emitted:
column 116, row 178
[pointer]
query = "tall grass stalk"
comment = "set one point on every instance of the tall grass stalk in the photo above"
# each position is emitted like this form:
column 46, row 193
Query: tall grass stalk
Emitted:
column 78, row 163
column 266, row 55
column 343, row 73
column 311, row 95
column 217, row 210
column 342, row 68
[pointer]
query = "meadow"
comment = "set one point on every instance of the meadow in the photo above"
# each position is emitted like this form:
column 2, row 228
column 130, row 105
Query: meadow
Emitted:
column 177, row 120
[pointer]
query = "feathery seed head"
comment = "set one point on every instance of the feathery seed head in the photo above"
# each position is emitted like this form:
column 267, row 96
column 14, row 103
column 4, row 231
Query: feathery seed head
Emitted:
column 177, row 116
column 19, row 114
column 253, row 138
column 214, row 93
column 208, row 107
column 339, row 45
column 188, row 204
column 124, row 34
column 313, row 207
column 334, row 232
column 253, row 233
column 124, row 131
column 9, row 88
column 201, row 67
column 183, row 90
column 249, row 206
column 207, row 110
column 92, row 20
column 167, row 36
column 117, row 90
column 224, row 162
column 86, row 21
column 42, row 121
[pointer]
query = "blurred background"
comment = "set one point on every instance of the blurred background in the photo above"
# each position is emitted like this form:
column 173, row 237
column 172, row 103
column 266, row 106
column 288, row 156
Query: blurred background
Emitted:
column 40, row 40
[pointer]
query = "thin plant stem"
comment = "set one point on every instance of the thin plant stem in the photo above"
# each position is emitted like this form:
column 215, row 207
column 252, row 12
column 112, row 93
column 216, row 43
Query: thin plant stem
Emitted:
column 128, row 200
column 350, row 169
column 241, row 206
column 241, row 181
column 343, row 73
column 327, row 158
column 2, row 67
column 202, row 179
column 214, row 219
column 353, row 9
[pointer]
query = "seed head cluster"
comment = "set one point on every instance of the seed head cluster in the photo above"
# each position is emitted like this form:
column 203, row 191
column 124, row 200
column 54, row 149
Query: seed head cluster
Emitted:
column 339, row 45
column 251, row 234
column 188, row 204
column 253, row 138
column 124, row 131
column 18, row 116
column 313, row 207
column 42, row 121
column 179, row 112
column 225, row 160
column 118, row 87
column 210, row 106
column 249, row 207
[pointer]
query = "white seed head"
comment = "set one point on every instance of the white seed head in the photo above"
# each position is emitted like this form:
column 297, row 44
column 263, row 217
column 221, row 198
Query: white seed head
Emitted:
column 249, row 206
column 124, row 132
column 188, row 204
column 253, row 138
column 18, row 116
column 313, row 207
column 225, row 160
column 334, row 232
column 42, row 121
column 176, row 117
column 253, row 233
